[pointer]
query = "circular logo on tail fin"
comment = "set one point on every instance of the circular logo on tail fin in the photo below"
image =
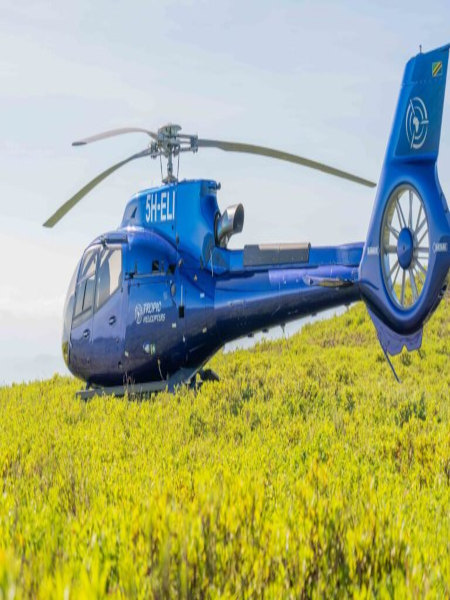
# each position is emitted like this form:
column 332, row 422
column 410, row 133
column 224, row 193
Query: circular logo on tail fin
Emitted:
column 416, row 123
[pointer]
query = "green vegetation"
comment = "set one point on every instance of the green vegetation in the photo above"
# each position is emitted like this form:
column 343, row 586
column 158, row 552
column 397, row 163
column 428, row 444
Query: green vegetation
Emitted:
column 306, row 472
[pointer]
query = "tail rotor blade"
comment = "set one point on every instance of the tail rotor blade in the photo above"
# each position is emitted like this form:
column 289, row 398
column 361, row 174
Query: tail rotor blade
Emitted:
column 64, row 209
column 112, row 133
column 293, row 158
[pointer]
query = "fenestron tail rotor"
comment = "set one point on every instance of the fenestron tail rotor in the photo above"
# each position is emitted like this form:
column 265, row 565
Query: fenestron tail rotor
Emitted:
column 405, row 246
column 168, row 142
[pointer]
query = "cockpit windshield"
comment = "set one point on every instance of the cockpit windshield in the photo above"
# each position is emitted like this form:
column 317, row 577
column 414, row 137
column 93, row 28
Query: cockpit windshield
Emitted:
column 67, row 315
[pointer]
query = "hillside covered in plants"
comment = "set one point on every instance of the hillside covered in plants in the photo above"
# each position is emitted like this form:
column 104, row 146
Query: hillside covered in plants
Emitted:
column 307, row 471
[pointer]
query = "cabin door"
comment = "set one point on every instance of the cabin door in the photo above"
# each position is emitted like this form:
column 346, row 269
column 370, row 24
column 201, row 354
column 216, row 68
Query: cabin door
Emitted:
column 151, row 327
column 108, row 327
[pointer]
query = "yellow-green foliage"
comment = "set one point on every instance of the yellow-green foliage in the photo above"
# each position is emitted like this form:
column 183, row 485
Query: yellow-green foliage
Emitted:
column 307, row 471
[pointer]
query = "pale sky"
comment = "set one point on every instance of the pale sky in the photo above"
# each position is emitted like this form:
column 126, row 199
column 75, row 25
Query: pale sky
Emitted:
column 319, row 79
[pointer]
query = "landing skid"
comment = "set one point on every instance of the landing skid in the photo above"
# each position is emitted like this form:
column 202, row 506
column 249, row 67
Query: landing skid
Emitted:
column 208, row 375
column 205, row 375
column 181, row 377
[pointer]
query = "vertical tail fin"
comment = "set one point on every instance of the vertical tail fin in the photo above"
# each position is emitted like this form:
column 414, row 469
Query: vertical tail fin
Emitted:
column 406, row 257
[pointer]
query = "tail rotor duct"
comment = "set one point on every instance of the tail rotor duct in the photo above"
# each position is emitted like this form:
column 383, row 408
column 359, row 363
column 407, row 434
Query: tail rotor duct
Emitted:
column 405, row 246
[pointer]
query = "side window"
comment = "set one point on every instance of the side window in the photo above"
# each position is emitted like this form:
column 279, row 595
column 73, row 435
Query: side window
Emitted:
column 109, row 277
column 86, row 284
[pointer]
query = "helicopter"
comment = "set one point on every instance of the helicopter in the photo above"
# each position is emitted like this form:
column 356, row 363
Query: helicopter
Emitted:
column 150, row 303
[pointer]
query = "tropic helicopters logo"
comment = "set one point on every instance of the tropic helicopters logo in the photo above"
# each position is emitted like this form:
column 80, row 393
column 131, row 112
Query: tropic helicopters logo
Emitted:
column 149, row 312
column 138, row 313
column 416, row 123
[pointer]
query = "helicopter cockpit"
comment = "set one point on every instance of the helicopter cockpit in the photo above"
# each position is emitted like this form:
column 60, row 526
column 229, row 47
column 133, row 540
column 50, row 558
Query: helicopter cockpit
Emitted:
column 96, row 280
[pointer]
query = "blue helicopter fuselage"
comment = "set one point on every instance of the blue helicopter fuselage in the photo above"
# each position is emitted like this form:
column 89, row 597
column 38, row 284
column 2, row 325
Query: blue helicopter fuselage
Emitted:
column 180, row 296
column 152, row 301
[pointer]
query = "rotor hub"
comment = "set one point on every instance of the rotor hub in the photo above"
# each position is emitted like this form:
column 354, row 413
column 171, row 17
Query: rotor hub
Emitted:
column 170, row 130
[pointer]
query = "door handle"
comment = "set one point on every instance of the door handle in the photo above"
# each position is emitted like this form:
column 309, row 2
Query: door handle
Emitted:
column 86, row 333
column 112, row 320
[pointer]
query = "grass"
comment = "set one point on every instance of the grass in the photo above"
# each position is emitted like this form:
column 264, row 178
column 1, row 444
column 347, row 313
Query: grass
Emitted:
column 306, row 472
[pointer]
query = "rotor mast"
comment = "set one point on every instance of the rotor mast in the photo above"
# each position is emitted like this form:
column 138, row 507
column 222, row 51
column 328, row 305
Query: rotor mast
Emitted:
column 170, row 143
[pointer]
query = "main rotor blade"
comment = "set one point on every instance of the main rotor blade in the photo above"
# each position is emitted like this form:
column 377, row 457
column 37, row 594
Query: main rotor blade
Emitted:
column 64, row 209
column 112, row 133
column 293, row 158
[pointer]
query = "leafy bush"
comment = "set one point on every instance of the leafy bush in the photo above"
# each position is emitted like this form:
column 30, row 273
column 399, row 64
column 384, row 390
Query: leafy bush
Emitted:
column 306, row 472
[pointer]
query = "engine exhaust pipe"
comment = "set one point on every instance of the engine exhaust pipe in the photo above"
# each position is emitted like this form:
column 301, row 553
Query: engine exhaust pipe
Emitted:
column 229, row 223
